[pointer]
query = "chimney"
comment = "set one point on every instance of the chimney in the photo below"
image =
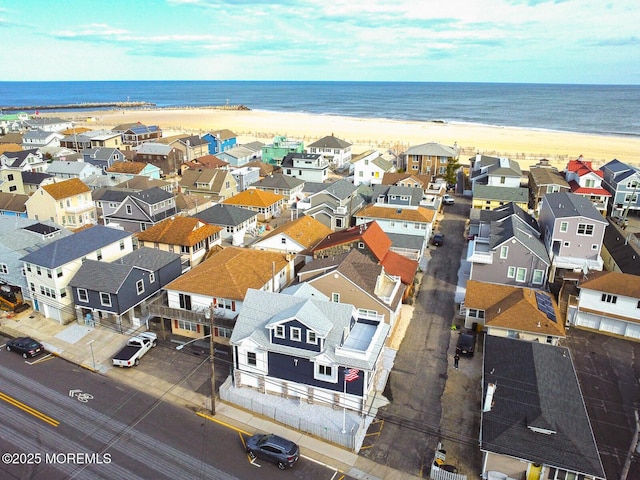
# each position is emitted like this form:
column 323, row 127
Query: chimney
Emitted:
column 488, row 399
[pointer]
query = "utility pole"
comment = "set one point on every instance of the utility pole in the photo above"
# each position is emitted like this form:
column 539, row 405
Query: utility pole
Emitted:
column 632, row 448
column 212, row 352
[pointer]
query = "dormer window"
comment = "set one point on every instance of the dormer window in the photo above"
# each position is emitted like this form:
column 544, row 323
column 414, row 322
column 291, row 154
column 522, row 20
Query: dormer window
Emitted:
column 326, row 373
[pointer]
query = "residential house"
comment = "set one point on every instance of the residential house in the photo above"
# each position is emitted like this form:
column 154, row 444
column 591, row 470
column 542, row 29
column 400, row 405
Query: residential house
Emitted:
column 103, row 158
column 33, row 180
column 372, row 241
column 333, row 204
column 165, row 157
column 117, row 293
column 12, row 122
column 275, row 152
column 140, row 210
column 218, row 286
column 13, row 204
column 139, row 133
column 621, row 251
column 608, row 302
column 108, row 180
column 301, row 346
column 432, row 191
column 187, row 147
column 10, row 140
column 81, row 170
column 237, row 156
column 335, row 150
column 513, row 311
column 431, row 159
column 266, row 204
column 190, row 205
column 534, row 423
column 256, row 148
column 236, row 222
column 295, row 237
column 78, row 140
column 508, row 249
column 213, row 183
column 220, row 140
column 40, row 138
column 105, row 139
column 543, row 179
column 26, row 160
column 140, row 169
column 18, row 237
column 586, row 181
column 11, row 180
column 310, row 167
column 355, row 278
column 622, row 181
column 48, row 124
column 279, row 184
column 245, row 176
column 50, row 268
column 208, row 161
column 370, row 167
column 67, row 202
column 573, row 231
column 142, row 182
column 489, row 197
column 108, row 199
column 494, row 172
column 188, row 236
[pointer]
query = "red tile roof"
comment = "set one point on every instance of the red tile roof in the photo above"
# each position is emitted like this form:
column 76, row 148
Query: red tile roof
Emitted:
column 401, row 266
column 582, row 167
column 576, row 188
column 370, row 233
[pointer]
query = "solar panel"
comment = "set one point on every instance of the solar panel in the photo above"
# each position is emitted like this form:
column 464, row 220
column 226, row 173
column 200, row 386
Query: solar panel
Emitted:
column 546, row 306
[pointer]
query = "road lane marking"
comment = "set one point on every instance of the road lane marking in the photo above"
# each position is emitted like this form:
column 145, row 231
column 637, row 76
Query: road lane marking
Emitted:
column 48, row 356
column 26, row 408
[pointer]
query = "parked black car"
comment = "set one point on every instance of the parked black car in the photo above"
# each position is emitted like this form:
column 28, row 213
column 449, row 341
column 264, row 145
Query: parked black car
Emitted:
column 437, row 239
column 273, row 448
column 466, row 344
column 26, row 346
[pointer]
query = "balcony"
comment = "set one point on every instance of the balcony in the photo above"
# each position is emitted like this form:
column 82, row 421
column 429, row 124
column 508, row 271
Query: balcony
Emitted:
column 80, row 208
column 479, row 251
column 221, row 317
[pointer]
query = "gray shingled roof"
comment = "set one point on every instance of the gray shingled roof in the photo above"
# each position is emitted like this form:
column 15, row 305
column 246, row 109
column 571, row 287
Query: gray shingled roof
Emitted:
column 152, row 148
column 152, row 196
column 566, row 204
column 330, row 142
column 151, row 259
column 548, row 176
column 536, row 387
column 341, row 189
column 432, row 149
column 502, row 194
column 26, row 235
column 505, row 211
column 223, row 215
column 75, row 246
column 278, row 181
column 514, row 227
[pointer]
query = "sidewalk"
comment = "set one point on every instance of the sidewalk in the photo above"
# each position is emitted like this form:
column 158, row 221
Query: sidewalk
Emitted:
column 93, row 348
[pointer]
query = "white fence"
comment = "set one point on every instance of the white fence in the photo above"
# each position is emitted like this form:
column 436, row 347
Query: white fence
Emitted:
column 438, row 473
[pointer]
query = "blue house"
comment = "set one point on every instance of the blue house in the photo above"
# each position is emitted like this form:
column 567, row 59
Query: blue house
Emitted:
column 220, row 140
column 298, row 344
column 623, row 183
column 117, row 292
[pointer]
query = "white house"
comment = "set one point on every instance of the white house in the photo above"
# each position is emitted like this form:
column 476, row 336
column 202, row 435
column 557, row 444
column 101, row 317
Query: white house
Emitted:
column 370, row 168
column 310, row 167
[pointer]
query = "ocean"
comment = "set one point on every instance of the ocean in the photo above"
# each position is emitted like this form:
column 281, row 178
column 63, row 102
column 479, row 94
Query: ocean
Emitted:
column 593, row 109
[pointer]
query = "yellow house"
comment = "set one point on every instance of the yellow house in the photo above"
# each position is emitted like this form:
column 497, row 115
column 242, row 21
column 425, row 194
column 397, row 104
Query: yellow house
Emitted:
column 488, row 197
column 66, row 202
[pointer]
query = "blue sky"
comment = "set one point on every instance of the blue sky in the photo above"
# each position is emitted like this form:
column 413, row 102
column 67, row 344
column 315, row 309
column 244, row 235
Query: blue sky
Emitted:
column 539, row 41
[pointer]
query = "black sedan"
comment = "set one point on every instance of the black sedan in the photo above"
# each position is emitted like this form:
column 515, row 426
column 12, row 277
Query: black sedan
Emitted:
column 437, row 239
column 26, row 346
column 273, row 448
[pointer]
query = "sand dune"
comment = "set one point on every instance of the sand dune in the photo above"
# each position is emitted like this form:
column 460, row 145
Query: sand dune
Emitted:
column 526, row 146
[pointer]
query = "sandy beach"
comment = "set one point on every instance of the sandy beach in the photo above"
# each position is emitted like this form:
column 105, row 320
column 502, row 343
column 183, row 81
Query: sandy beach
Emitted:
column 527, row 146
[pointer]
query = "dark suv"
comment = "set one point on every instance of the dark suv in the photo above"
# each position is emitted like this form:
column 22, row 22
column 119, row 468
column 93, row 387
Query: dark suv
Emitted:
column 466, row 344
column 273, row 448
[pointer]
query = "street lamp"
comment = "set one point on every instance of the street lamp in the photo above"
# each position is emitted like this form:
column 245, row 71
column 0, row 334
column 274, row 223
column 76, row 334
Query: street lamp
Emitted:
column 93, row 359
column 209, row 316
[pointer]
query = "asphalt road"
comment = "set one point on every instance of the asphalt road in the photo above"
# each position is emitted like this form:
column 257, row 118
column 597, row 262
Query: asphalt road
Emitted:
column 407, row 431
column 59, row 421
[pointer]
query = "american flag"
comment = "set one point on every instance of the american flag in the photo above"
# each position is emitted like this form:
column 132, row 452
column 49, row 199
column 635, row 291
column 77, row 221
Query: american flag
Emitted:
column 351, row 374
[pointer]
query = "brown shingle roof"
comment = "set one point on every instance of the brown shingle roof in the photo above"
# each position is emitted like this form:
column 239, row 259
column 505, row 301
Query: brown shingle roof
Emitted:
column 10, row 147
column 127, row 167
column 420, row 214
column 514, row 308
column 230, row 273
column 179, row 231
column 613, row 282
column 307, row 231
column 254, row 198
column 66, row 188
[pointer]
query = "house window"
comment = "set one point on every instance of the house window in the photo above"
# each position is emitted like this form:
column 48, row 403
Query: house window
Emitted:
column 608, row 298
column 152, row 277
column 324, row 371
column 3, row 268
column 475, row 313
column 335, row 297
column 140, row 286
column 252, row 359
column 185, row 301
column 185, row 249
column 105, row 299
column 128, row 209
column 590, row 183
column 184, row 325
column 502, row 180
column 58, row 272
column 538, row 277
column 312, row 338
column 504, row 252
column 283, row 240
column 585, row 229
column 564, row 226
column 295, row 334
column 279, row 331
column 338, row 223
column 99, row 255
column 511, row 272
column 82, row 295
column 521, row 274
column 121, row 244
column 361, row 245
column 566, row 244
column 594, row 246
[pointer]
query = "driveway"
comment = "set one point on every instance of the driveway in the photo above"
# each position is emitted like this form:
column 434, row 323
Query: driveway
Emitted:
column 407, row 431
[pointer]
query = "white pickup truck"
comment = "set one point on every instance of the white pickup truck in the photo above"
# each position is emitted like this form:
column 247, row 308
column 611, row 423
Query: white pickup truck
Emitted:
column 134, row 350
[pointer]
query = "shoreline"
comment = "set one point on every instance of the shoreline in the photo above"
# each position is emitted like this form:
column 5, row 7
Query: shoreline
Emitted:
column 525, row 145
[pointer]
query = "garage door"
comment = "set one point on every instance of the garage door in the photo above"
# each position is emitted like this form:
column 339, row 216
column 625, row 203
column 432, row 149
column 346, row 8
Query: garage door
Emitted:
column 613, row 326
column 587, row 320
column 633, row 330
